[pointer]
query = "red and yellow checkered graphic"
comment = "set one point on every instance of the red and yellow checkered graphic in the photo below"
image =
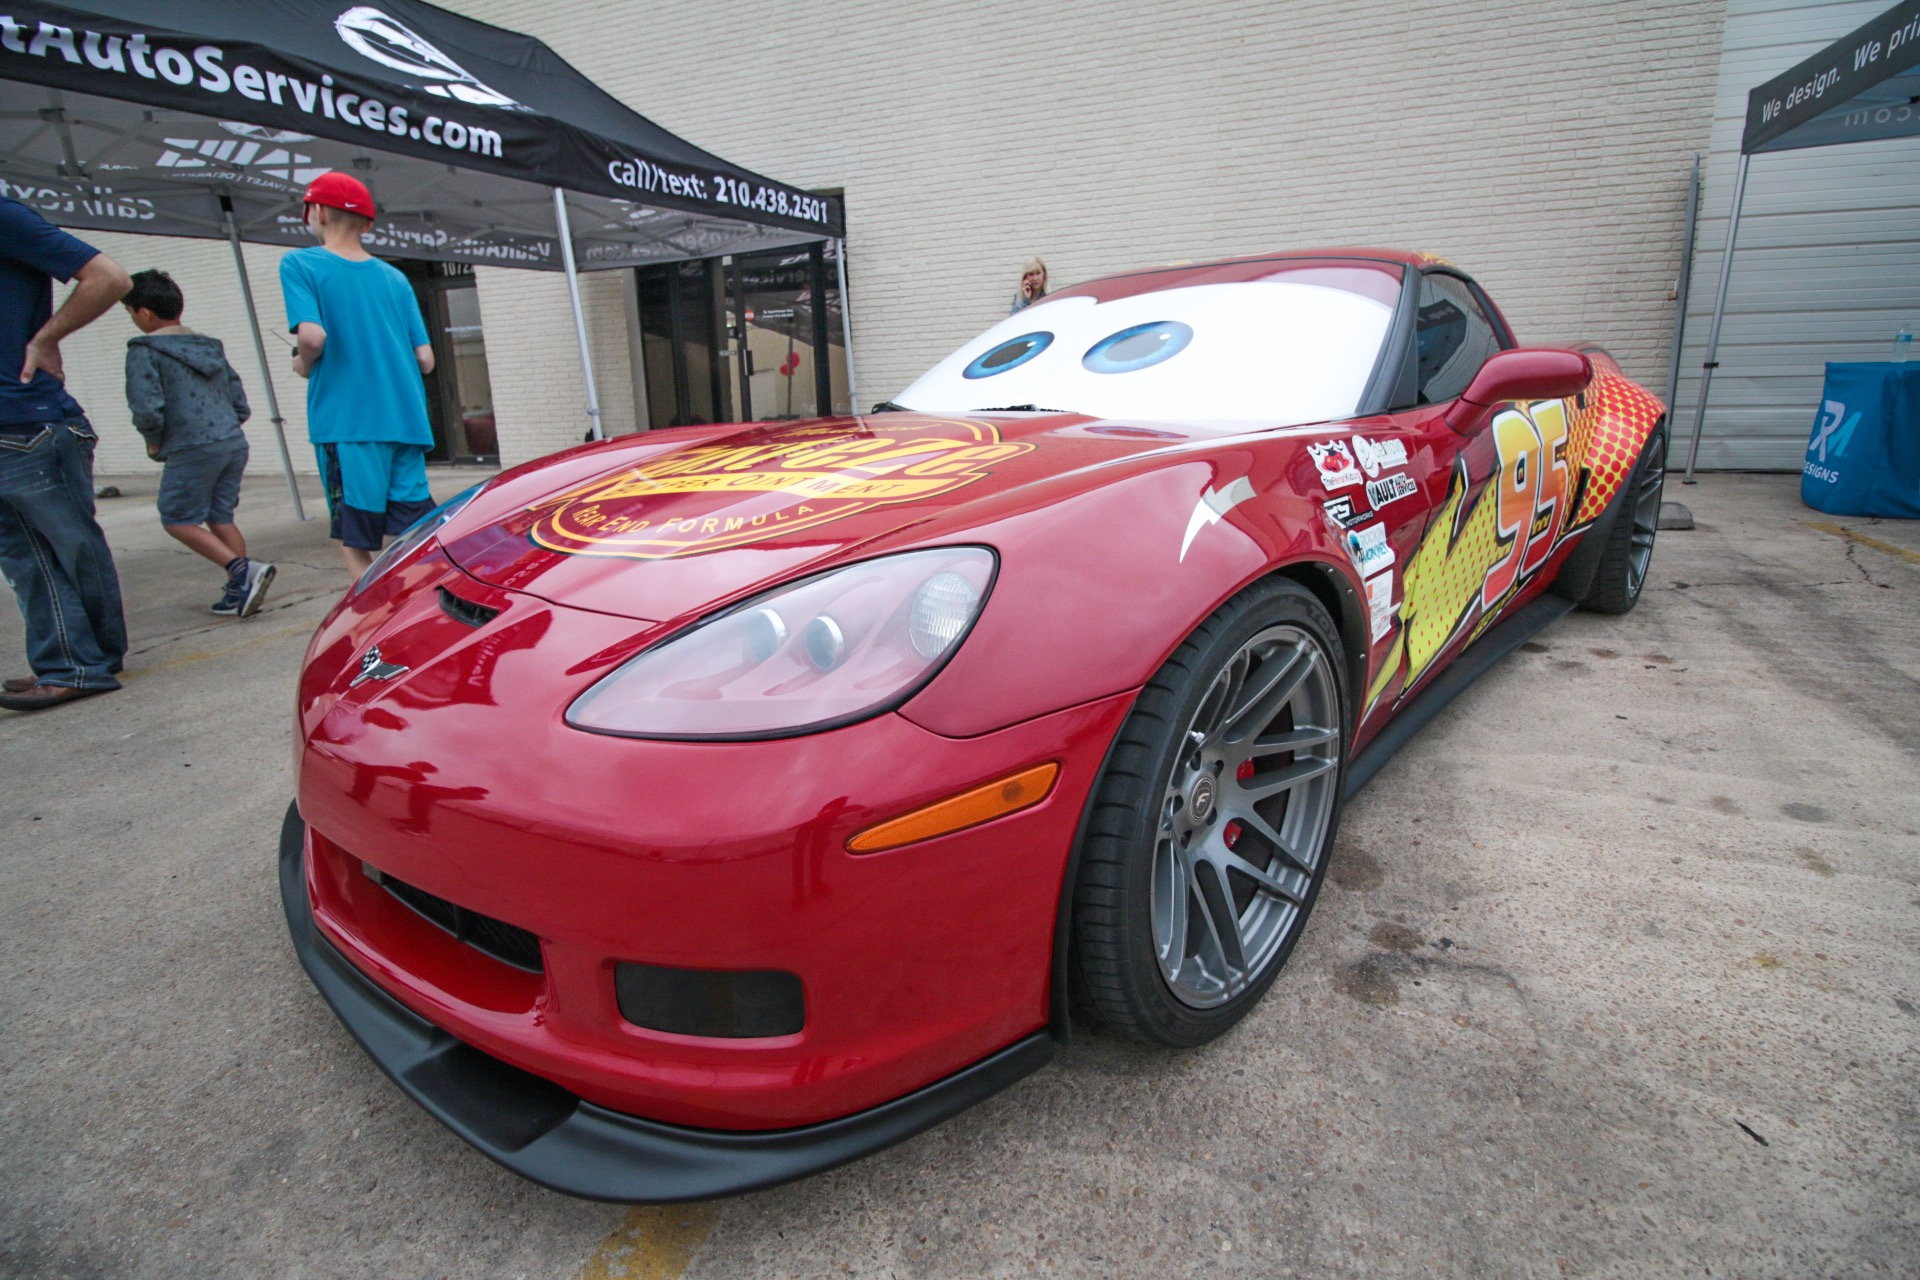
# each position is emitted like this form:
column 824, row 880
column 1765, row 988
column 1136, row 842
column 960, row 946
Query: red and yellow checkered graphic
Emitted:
column 1609, row 432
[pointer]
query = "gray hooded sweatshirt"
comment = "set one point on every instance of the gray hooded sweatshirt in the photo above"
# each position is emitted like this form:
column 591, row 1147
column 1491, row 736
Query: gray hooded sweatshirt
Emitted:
column 183, row 393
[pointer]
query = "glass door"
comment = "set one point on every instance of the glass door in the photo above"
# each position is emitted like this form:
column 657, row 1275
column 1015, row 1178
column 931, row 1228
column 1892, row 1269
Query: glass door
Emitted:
column 460, row 349
column 683, row 348
column 787, row 338
column 749, row 338
column 459, row 390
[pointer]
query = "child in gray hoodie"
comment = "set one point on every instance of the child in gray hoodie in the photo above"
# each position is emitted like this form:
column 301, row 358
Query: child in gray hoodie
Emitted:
column 188, row 403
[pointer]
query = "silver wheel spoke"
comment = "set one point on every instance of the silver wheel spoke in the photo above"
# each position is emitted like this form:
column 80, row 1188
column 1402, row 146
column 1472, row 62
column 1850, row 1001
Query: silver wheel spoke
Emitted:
column 1281, row 848
column 1272, row 692
column 1221, row 700
column 1284, row 779
column 1179, row 890
column 1273, row 744
column 1227, row 860
column 1223, row 926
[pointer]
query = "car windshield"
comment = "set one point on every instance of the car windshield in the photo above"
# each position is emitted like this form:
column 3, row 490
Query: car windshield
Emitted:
column 1293, row 346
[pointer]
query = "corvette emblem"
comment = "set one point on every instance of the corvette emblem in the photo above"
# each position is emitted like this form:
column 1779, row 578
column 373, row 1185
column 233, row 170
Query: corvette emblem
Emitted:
column 372, row 667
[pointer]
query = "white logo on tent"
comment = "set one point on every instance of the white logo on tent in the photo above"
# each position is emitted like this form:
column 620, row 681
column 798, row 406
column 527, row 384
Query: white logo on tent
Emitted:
column 392, row 43
column 230, row 153
column 263, row 133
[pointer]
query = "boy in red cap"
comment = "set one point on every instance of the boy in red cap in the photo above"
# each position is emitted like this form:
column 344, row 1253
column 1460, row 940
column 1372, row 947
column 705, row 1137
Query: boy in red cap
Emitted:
column 363, row 349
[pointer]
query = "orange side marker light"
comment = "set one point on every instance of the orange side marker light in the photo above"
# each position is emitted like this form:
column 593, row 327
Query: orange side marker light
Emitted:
column 991, row 800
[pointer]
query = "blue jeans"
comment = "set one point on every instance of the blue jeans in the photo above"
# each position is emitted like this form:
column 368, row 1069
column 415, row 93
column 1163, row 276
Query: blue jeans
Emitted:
column 55, row 557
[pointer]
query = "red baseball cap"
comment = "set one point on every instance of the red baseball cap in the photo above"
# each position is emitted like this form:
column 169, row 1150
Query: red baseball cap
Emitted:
column 341, row 191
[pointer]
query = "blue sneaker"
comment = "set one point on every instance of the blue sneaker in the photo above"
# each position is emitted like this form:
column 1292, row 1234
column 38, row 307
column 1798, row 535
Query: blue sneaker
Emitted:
column 228, row 605
column 256, row 578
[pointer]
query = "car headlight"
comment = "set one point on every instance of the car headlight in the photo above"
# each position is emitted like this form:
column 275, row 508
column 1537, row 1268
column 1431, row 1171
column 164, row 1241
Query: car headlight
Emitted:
column 417, row 533
column 813, row 654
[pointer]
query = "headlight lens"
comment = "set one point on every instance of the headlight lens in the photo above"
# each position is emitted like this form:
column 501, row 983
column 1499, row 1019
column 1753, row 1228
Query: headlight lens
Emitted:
column 821, row 652
column 418, row 532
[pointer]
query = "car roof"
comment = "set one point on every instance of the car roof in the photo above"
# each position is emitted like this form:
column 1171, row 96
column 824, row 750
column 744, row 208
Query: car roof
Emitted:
column 1346, row 267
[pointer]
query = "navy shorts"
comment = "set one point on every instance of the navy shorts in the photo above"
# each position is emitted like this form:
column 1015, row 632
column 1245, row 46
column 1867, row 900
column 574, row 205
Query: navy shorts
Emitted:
column 201, row 483
column 374, row 489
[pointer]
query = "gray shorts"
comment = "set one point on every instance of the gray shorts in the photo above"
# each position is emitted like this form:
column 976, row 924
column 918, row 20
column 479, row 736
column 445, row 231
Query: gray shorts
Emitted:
column 201, row 484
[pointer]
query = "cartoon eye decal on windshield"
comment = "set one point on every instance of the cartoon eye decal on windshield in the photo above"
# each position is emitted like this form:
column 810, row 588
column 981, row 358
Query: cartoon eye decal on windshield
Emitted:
column 1010, row 354
column 1139, row 347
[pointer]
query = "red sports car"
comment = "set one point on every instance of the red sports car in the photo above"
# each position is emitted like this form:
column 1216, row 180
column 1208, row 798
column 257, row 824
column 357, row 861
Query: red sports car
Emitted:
column 692, row 811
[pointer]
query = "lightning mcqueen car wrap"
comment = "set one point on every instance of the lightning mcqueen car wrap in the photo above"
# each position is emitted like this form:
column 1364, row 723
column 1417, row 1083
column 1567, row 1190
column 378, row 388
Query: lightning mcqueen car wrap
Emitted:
column 696, row 810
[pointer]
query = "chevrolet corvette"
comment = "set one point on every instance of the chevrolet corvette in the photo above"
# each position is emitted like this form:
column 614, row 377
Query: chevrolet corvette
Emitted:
column 695, row 810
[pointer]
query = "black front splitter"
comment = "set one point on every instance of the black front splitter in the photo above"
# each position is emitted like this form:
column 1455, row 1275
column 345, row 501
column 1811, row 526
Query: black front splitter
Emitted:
column 557, row 1139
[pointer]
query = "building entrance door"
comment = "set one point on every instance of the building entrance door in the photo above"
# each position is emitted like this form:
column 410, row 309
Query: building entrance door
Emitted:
column 790, row 361
column 749, row 338
column 459, row 391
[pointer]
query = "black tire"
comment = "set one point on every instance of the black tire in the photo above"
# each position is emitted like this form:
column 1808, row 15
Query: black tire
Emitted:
column 1118, row 965
column 1622, row 573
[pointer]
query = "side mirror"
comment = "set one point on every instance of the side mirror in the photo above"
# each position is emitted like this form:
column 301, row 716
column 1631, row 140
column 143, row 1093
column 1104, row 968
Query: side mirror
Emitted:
column 1524, row 373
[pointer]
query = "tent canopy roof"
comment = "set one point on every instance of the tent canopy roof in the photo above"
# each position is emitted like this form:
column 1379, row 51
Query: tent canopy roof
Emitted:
column 138, row 115
column 1863, row 86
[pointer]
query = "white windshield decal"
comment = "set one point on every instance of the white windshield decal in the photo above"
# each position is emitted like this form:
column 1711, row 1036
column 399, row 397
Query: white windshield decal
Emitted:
column 1267, row 351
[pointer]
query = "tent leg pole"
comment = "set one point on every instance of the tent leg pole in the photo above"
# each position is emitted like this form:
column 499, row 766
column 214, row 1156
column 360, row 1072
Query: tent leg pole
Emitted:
column 260, row 354
column 1712, row 361
column 565, row 229
column 846, row 322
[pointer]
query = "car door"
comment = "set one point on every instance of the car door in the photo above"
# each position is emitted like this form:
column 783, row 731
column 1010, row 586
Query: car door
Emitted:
column 1491, row 504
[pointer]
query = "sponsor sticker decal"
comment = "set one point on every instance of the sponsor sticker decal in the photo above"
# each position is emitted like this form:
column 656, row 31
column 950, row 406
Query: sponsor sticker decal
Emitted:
column 1390, row 488
column 1369, row 548
column 1343, row 513
column 1380, row 604
column 750, row 488
column 1377, row 455
column 1335, row 461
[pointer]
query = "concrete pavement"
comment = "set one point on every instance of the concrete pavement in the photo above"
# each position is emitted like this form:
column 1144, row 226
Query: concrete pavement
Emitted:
column 1618, row 974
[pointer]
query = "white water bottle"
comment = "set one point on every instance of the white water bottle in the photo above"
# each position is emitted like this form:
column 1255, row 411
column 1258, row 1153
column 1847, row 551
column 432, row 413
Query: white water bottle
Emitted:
column 1903, row 345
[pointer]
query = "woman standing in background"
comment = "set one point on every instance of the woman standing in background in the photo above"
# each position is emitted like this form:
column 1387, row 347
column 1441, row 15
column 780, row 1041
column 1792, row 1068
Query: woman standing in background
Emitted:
column 1033, row 285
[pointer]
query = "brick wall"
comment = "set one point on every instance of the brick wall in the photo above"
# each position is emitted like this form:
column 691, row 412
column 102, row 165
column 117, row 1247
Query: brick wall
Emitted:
column 1543, row 148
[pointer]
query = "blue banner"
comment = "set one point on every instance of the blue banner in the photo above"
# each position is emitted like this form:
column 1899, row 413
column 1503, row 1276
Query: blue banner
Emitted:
column 1863, row 458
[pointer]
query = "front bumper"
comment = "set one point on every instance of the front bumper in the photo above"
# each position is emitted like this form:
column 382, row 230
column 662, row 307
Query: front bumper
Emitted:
column 553, row 1137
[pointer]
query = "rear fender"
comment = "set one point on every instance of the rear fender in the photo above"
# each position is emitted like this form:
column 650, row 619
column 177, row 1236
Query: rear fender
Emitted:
column 1613, row 419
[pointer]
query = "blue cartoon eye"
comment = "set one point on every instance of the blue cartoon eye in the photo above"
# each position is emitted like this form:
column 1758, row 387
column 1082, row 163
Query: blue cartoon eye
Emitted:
column 1010, row 354
column 1140, row 347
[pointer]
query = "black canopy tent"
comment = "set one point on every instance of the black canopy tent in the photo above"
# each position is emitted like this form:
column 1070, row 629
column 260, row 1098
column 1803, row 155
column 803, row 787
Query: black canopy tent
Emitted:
column 207, row 118
column 1863, row 87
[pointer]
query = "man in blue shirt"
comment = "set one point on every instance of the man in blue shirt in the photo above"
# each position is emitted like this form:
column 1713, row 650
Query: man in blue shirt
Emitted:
column 363, row 349
column 51, row 548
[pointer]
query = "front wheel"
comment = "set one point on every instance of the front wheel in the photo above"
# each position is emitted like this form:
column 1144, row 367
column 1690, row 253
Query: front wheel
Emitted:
column 1211, row 825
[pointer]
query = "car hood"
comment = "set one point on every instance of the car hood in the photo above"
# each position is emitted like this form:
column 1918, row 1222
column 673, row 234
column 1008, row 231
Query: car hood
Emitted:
column 663, row 524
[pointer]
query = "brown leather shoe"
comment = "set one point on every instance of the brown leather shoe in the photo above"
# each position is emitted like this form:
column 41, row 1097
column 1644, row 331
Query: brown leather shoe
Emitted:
column 42, row 696
column 19, row 684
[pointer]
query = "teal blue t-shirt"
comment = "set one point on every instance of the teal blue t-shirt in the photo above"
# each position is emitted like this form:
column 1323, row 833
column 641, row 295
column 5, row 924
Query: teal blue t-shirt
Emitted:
column 366, row 385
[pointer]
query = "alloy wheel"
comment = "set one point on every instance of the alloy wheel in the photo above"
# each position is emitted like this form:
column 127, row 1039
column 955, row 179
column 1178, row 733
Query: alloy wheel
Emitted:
column 1243, row 816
